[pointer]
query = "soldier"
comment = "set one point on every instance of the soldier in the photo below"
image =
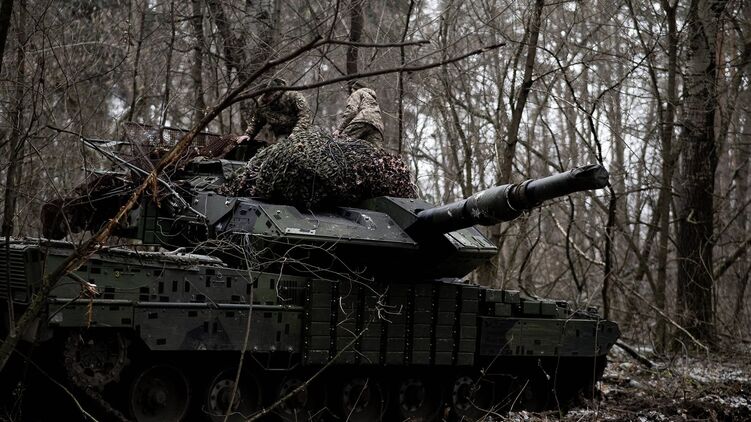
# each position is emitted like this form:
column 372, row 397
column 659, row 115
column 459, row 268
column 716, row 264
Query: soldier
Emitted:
column 286, row 112
column 362, row 117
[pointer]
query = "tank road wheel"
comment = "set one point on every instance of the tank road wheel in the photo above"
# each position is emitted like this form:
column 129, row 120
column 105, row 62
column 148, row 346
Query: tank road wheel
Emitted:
column 304, row 405
column 419, row 400
column 470, row 398
column 159, row 393
column 362, row 399
column 246, row 400
column 95, row 359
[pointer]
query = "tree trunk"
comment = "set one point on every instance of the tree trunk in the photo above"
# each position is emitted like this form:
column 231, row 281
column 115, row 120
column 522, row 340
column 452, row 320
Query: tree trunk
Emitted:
column 400, row 80
column 660, row 220
column 742, row 196
column 234, row 54
column 698, row 165
column 512, row 134
column 268, row 16
column 168, row 70
column 16, row 141
column 6, row 11
column 507, row 150
column 668, row 168
column 135, row 100
column 196, row 69
column 15, row 144
column 355, row 34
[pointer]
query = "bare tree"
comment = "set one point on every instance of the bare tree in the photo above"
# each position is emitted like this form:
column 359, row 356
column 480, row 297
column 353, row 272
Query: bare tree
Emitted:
column 6, row 12
column 698, row 164
column 18, row 124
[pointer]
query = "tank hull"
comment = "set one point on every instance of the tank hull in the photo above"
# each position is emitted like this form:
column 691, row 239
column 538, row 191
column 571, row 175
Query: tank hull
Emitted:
column 417, row 348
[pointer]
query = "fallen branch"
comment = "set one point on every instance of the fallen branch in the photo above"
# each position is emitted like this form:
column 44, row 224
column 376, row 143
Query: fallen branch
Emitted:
column 93, row 244
column 636, row 355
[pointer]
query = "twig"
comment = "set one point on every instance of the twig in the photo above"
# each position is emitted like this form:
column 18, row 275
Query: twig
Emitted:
column 246, row 243
column 576, row 247
column 359, row 396
column 299, row 388
column 129, row 166
column 667, row 318
column 524, row 387
column 8, row 288
column 43, row 372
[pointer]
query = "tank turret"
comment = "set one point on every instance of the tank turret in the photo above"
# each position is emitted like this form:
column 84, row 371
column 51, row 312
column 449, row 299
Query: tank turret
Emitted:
column 423, row 241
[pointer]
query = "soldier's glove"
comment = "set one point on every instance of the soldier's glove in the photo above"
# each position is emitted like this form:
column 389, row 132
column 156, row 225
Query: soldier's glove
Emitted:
column 242, row 139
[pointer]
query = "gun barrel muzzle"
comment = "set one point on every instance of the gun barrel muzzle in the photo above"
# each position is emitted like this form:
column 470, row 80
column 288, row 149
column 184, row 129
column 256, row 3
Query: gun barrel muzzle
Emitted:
column 507, row 202
column 590, row 177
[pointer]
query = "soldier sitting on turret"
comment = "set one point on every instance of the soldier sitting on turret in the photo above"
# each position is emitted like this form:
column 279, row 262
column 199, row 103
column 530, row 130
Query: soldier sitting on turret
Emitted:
column 362, row 117
column 285, row 112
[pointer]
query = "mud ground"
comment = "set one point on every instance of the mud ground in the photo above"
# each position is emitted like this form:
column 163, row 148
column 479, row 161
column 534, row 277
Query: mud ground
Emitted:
column 709, row 387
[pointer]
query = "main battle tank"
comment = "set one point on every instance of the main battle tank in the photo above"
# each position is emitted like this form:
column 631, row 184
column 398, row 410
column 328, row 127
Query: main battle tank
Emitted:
column 356, row 313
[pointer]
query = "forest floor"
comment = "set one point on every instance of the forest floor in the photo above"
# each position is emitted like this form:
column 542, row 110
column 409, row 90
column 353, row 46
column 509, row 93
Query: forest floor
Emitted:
column 709, row 388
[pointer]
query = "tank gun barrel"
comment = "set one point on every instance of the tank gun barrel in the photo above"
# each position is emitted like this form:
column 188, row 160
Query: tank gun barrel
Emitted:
column 507, row 202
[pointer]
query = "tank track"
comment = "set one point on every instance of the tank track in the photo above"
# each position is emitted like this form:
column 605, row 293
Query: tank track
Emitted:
column 355, row 393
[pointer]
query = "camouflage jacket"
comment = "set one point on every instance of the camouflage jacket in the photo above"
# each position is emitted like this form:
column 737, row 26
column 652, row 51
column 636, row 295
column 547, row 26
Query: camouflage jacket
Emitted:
column 284, row 112
column 362, row 107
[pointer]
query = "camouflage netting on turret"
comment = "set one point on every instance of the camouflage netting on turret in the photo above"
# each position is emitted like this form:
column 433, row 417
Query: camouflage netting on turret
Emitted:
column 311, row 169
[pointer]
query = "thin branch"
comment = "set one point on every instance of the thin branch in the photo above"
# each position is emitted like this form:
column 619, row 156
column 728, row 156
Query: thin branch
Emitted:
column 730, row 260
column 416, row 68
column 265, row 411
column 246, row 340
column 667, row 318
column 379, row 45
column 54, row 381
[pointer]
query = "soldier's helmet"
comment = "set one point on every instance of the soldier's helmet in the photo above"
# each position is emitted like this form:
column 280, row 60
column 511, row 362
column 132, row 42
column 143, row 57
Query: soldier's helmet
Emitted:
column 272, row 96
column 357, row 84
column 276, row 82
